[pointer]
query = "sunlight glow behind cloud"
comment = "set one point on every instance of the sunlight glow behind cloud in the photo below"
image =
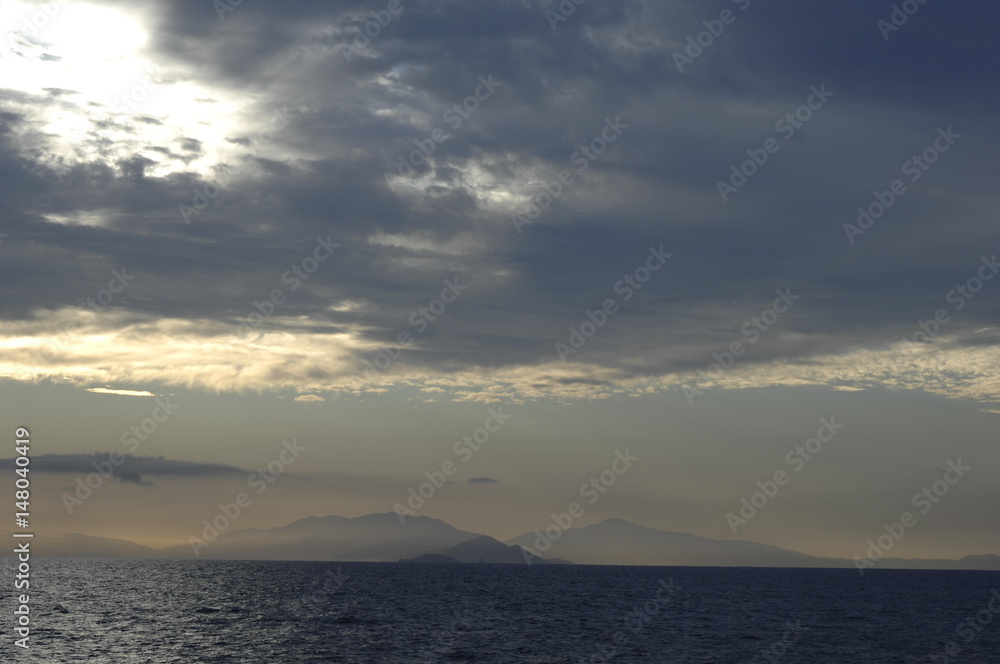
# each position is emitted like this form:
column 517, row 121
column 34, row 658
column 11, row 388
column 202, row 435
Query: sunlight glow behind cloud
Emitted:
column 116, row 347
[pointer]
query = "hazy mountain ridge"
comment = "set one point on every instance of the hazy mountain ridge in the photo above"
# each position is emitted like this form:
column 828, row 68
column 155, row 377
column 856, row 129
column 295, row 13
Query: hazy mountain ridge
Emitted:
column 368, row 538
column 381, row 538
column 619, row 542
column 484, row 549
column 74, row 545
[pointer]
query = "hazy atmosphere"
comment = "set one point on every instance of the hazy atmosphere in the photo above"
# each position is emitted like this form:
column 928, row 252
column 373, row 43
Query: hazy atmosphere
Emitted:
column 721, row 268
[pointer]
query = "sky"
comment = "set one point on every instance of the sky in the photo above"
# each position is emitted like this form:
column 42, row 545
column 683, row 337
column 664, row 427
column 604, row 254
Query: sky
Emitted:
column 491, row 245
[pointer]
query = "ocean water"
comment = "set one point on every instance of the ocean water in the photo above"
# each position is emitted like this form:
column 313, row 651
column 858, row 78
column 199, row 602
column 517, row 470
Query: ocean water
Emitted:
column 161, row 612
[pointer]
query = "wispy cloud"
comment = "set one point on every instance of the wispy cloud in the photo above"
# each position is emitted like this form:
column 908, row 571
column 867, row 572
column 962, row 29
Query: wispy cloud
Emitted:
column 124, row 393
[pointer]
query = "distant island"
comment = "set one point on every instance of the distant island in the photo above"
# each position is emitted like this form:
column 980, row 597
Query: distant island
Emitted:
column 484, row 549
column 382, row 538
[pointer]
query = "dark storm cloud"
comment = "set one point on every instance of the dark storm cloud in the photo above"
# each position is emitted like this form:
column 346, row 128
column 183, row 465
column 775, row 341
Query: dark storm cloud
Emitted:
column 655, row 185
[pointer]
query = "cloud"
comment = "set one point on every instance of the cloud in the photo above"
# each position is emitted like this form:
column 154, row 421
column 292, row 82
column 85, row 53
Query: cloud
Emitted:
column 131, row 469
column 269, row 158
column 482, row 480
column 126, row 393
column 299, row 355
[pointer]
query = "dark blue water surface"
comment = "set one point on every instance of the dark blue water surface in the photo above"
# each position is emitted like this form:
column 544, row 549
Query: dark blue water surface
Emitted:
column 294, row 613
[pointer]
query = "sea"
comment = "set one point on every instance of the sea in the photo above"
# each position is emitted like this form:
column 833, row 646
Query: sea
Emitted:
column 183, row 612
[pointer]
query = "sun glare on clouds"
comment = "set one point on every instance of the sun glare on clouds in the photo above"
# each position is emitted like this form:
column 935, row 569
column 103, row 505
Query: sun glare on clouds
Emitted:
column 114, row 99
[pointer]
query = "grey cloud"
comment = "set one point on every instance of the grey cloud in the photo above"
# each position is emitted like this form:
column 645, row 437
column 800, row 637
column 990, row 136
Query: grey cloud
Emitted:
column 656, row 185
column 131, row 469
column 482, row 480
